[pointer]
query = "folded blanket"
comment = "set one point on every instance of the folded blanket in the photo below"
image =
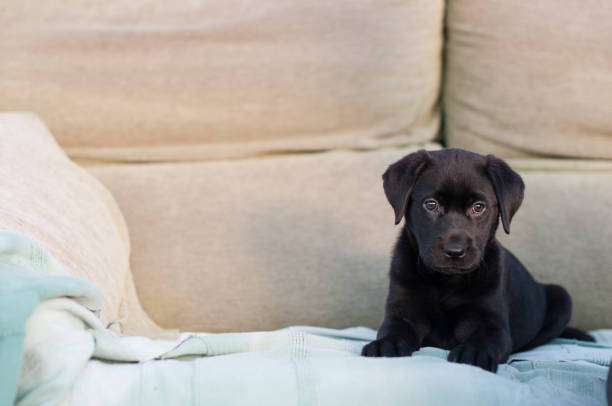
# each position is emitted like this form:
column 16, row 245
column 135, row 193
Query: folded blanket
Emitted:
column 29, row 275
column 70, row 359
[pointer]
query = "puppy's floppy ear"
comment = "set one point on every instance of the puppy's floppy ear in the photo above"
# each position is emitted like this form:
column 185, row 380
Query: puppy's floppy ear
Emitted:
column 509, row 189
column 400, row 178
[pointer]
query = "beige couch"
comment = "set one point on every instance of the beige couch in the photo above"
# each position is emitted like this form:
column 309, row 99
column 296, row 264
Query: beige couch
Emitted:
column 243, row 142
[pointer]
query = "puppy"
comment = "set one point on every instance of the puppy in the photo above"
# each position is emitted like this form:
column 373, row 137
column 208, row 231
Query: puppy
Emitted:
column 452, row 284
column 609, row 387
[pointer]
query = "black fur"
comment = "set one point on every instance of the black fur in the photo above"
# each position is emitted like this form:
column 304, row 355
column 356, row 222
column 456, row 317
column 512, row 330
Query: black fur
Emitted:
column 609, row 387
column 452, row 284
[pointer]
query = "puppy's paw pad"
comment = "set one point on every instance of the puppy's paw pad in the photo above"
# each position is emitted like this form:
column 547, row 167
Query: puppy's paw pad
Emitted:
column 390, row 346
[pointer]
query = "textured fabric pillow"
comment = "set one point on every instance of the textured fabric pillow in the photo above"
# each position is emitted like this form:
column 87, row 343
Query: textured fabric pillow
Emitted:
column 183, row 80
column 529, row 77
column 47, row 197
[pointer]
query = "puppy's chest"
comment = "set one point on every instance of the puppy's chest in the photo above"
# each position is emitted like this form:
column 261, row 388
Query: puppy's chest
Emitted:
column 444, row 312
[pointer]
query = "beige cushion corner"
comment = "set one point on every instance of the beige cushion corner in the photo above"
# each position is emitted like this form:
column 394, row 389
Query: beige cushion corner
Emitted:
column 529, row 78
column 49, row 198
column 223, row 78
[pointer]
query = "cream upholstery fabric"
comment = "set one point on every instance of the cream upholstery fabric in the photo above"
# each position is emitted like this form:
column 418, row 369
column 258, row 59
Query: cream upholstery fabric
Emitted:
column 529, row 77
column 47, row 197
column 306, row 239
column 259, row 244
column 148, row 81
column 562, row 232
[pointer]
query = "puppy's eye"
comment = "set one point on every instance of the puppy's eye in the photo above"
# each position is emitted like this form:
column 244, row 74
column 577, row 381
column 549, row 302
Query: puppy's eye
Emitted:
column 430, row 205
column 478, row 208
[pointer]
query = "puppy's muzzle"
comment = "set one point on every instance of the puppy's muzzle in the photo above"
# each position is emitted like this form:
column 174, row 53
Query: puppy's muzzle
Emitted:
column 455, row 252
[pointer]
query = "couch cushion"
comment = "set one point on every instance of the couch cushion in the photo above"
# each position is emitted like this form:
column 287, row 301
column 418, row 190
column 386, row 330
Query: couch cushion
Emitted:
column 529, row 77
column 120, row 80
column 563, row 230
column 265, row 243
column 259, row 244
column 47, row 197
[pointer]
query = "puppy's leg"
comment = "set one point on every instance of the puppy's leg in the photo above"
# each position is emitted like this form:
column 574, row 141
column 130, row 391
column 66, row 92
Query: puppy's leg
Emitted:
column 484, row 344
column 558, row 312
column 609, row 386
column 396, row 338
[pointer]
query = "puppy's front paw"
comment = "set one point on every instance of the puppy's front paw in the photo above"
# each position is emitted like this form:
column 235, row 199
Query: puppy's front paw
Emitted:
column 466, row 354
column 389, row 346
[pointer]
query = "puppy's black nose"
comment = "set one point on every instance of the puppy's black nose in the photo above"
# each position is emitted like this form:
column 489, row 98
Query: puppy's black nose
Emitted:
column 455, row 251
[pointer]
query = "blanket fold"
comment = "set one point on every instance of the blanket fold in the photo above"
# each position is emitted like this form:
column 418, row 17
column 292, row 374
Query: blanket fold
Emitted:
column 29, row 275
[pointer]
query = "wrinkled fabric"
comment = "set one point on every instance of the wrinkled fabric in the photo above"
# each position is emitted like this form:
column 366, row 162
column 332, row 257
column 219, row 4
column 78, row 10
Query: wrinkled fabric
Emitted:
column 29, row 275
column 318, row 366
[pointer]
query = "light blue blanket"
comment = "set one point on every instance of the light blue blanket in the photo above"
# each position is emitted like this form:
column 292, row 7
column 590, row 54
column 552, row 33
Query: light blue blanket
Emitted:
column 295, row 366
column 29, row 275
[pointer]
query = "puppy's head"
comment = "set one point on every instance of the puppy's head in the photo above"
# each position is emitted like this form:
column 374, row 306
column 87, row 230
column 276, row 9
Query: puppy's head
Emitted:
column 452, row 201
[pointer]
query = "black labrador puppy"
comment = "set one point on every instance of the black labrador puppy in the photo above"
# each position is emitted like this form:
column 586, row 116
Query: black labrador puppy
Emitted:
column 453, row 285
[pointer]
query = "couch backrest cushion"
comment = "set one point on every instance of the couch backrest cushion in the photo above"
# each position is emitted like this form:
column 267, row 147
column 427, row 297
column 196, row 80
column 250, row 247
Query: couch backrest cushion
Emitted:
column 562, row 232
column 47, row 197
column 261, row 244
column 529, row 77
column 148, row 81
